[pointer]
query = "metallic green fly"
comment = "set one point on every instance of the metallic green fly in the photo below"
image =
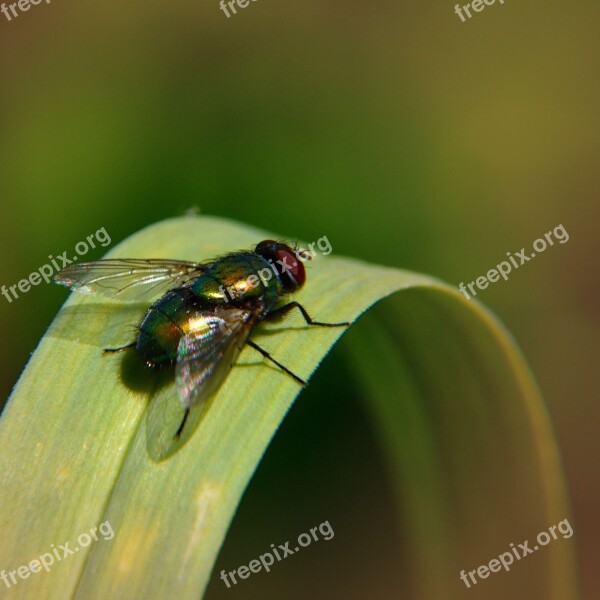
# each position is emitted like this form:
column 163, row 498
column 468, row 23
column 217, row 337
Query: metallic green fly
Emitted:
column 206, row 313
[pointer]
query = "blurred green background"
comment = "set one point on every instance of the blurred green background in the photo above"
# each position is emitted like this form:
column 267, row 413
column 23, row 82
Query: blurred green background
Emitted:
column 407, row 137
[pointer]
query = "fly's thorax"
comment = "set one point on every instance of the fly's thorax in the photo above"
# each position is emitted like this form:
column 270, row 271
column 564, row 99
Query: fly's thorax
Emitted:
column 239, row 278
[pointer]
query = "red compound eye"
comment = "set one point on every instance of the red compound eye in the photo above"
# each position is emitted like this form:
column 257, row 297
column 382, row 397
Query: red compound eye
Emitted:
column 288, row 264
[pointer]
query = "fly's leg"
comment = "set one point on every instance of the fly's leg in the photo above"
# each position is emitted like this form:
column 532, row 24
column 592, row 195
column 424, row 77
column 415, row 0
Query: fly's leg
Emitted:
column 283, row 368
column 183, row 421
column 280, row 312
column 121, row 349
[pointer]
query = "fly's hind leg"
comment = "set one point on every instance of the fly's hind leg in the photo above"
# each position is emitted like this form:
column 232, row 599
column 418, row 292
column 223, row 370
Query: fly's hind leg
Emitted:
column 121, row 349
column 183, row 421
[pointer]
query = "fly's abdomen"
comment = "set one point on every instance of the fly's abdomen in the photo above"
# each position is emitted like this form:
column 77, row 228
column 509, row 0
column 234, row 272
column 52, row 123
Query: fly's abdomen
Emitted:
column 165, row 323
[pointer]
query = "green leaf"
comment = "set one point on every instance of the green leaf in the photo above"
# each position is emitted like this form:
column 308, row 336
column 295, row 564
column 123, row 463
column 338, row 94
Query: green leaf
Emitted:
column 461, row 420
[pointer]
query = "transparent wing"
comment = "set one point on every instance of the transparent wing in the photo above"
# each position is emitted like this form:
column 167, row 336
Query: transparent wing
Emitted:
column 129, row 278
column 206, row 354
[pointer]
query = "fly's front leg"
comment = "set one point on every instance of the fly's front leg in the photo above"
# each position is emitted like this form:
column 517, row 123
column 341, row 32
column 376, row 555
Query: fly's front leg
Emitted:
column 281, row 312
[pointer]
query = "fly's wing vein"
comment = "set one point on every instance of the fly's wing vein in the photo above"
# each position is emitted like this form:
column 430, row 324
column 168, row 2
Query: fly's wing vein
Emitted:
column 205, row 356
column 129, row 278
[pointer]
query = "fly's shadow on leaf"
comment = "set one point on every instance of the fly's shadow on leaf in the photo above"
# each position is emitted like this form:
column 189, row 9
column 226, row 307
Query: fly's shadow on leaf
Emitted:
column 79, row 323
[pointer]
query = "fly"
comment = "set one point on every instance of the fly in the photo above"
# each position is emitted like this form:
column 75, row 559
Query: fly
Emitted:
column 206, row 313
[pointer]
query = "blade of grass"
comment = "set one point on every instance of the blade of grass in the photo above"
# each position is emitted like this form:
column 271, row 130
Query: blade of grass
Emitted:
column 73, row 439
